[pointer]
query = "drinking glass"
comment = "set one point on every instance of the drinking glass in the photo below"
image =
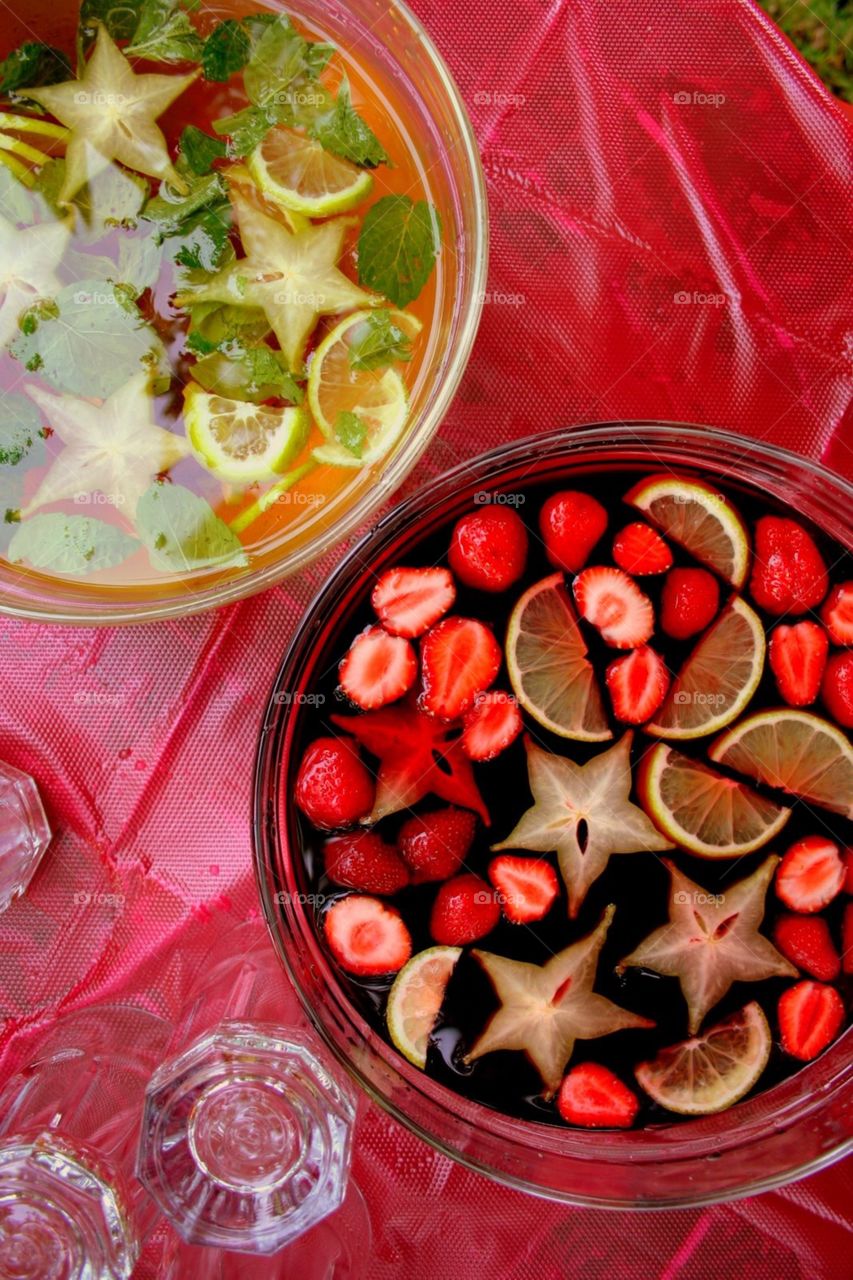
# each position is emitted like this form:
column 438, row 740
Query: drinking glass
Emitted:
column 24, row 832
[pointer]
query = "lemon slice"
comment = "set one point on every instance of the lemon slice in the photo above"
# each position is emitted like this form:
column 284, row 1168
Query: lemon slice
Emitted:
column 415, row 1000
column 239, row 177
column 242, row 442
column 378, row 398
column 299, row 174
column 699, row 519
column 718, row 679
column 710, row 1072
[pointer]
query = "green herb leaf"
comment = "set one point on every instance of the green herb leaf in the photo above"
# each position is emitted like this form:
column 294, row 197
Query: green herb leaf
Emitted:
column 342, row 131
column 244, row 130
column 281, row 64
column 33, row 64
column 226, row 51
column 75, row 545
column 21, row 433
column 255, row 373
column 222, row 324
column 377, row 342
column 204, row 244
column 170, row 209
column 200, row 149
column 165, row 34
column 351, row 431
column 182, row 532
column 397, row 246
column 120, row 19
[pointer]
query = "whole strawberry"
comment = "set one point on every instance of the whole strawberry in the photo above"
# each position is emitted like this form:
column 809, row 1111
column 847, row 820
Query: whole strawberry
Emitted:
column 434, row 845
column 465, row 909
column 333, row 786
column 788, row 572
column 362, row 860
column 571, row 523
column 488, row 549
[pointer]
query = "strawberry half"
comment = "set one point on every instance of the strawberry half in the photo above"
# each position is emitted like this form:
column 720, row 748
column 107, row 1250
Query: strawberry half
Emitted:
column 788, row 572
column 378, row 669
column 488, row 548
column 333, row 786
column 797, row 659
column 410, row 601
column 637, row 685
column 526, row 887
column 614, row 604
column 491, row 725
column 364, row 861
column 810, row 875
column 366, row 937
column 594, row 1097
column 807, row 943
column 847, row 939
column 464, row 910
column 810, row 1017
column 459, row 659
column 638, row 548
column 571, row 523
column 690, row 601
column 837, row 688
column 837, row 613
column 434, row 845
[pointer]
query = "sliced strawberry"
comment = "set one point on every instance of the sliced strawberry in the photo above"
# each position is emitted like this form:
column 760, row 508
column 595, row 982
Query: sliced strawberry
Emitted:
column 788, row 572
column 810, row 1017
column 571, row 523
column 491, row 725
column 612, row 602
column 594, row 1097
column 797, row 659
column 837, row 613
column 690, row 601
column 488, row 548
column 526, row 887
column 638, row 548
column 464, row 910
column 364, row 861
column 810, row 875
column 378, row 669
column 410, row 601
column 459, row 659
column 367, row 937
column 807, row 943
column 837, row 688
column 333, row 786
column 434, row 845
column 847, row 939
column 637, row 685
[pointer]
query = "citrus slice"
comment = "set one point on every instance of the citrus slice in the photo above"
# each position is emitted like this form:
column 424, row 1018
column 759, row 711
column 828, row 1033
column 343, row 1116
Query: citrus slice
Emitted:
column 239, row 177
column 300, row 174
column 794, row 750
column 549, row 671
column 361, row 412
column 415, row 1000
column 699, row 519
column 703, row 811
column 718, row 679
column 712, row 1071
column 242, row 442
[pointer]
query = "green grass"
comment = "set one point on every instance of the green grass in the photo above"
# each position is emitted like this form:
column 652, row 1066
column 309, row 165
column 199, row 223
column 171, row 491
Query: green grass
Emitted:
column 822, row 30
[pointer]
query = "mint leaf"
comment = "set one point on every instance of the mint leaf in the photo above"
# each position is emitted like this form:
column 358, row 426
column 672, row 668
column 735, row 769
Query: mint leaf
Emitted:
column 171, row 209
column 244, row 130
column 351, row 431
column 378, row 342
column 226, row 51
column 165, row 34
column 200, row 149
column 222, row 324
column 342, row 131
column 255, row 373
column 182, row 532
column 397, row 246
column 120, row 17
column 33, row 64
column 76, row 545
column 21, row 434
column 281, row 62
column 204, row 243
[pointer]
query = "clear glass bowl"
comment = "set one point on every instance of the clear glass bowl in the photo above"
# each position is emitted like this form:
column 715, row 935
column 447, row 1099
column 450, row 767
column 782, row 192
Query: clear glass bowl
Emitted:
column 799, row 1126
column 392, row 43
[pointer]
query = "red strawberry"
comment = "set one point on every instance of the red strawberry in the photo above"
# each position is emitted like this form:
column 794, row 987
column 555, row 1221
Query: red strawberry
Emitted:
column 810, row 1017
column 464, row 910
column 637, row 685
column 366, row 937
column 571, row 523
column 491, row 725
column 847, row 939
column 837, row 688
column 377, row 669
column 410, row 601
column 797, row 659
column 333, row 786
column 689, row 602
column 640, row 549
column 364, row 861
column 810, row 875
column 613, row 603
column 526, row 887
column 488, row 549
column 788, row 573
column 459, row 659
column 837, row 613
column 807, row 943
column 594, row 1097
column 434, row 845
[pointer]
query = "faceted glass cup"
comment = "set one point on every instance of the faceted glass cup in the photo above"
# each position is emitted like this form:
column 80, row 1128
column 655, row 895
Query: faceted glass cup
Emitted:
column 24, row 832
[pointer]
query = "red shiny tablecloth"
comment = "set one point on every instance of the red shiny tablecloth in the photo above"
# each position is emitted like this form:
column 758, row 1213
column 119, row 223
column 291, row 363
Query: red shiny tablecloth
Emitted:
column 670, row 239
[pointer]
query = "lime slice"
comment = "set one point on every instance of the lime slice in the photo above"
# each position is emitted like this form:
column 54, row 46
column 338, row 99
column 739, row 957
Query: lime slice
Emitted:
column 415, row 1000
column 712, row 1071
column 377, row 398
column 699, row 519
column 718, row 679
column 550, row 673
column 238, row 176
column 703, row 811
column 242, row 442
column 794, row 750
column 299, row 174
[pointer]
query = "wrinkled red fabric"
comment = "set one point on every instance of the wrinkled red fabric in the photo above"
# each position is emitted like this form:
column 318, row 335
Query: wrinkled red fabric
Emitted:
column 670, row 234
